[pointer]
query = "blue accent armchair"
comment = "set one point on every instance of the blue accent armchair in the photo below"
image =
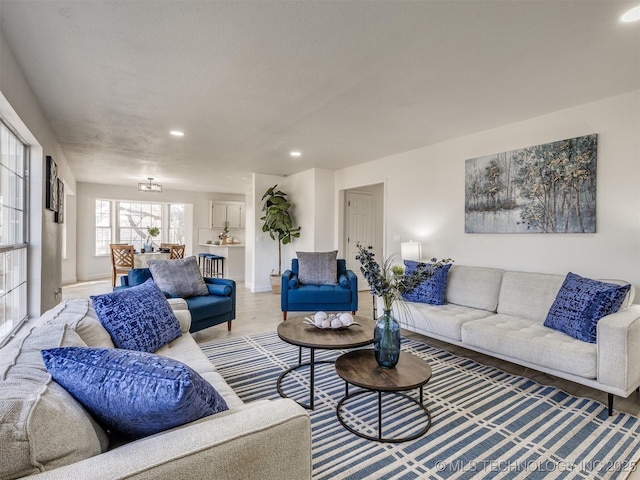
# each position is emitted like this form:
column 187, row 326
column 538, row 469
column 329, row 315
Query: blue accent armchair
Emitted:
column 206, row 311
column 297, row 297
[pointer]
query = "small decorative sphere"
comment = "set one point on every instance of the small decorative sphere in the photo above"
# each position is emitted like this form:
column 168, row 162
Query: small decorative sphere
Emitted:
column 320, row 316
column 346, row 319
column 326, row 323
column 336, row 323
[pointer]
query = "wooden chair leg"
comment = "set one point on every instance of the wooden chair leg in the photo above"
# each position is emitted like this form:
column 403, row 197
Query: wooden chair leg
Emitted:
column 284, row 315
column 229, row 326
column 113, row 278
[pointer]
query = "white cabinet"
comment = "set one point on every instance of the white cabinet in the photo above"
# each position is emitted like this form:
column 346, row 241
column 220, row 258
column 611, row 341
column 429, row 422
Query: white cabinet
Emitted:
column 235, row 215
column 226, row 213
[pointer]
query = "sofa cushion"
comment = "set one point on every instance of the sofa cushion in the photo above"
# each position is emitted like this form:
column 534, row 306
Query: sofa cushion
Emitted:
column 209, row 306
column 475, row 287
column 530, row 342
column 442, row 321
column 180, row 277
column 581, row 302
column 133, row 393
column 431, row 290
column 318, row 268
column 42, row 427
column 78, row 314
column 322, row 294
column 137, row 318
column 528, row 295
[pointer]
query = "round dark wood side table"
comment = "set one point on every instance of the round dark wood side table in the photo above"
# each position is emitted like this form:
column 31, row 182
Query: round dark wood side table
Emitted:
column 296, row 332
column 361, row 369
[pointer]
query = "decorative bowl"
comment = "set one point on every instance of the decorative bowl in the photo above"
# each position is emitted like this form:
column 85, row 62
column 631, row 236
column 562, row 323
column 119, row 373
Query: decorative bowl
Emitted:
column 331, row 321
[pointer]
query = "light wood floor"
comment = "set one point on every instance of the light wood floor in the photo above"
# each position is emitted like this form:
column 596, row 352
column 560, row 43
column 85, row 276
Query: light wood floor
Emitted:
column 260, row 312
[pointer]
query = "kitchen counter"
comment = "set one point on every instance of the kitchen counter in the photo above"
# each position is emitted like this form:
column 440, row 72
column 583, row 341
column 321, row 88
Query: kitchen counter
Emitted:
column 229, row 245
column 233, row 259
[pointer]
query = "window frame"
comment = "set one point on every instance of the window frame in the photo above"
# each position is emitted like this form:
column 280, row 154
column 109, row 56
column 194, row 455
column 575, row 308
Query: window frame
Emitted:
column 14, row 253
column 114, row 228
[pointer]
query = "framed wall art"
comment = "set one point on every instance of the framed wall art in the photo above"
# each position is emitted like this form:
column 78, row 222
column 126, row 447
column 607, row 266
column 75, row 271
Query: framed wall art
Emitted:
column 60, row 212
column 52, row 185
column 548, row 188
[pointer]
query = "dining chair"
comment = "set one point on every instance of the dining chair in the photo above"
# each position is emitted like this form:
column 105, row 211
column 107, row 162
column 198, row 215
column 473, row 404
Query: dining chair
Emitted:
column 121, row 260
column 167, row 245
column 176, row 251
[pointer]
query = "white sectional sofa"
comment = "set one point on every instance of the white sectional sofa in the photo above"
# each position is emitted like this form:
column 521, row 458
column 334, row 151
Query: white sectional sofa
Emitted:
column 46, row 434
column 501, row 313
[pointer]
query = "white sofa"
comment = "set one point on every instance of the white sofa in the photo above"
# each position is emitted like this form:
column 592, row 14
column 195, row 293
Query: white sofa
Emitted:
column 501, row 313
column 46, row 434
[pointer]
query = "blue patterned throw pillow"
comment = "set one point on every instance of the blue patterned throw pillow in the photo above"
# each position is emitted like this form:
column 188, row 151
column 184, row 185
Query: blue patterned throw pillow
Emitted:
column 430, row 291
column 133, row 393
column 137, row 318
column 580, row 303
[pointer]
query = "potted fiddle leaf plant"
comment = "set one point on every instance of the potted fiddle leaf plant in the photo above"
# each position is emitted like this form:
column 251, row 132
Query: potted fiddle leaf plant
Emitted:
column 278, row 222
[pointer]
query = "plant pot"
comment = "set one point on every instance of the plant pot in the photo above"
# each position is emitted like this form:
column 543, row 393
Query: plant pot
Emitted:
column 276, row 283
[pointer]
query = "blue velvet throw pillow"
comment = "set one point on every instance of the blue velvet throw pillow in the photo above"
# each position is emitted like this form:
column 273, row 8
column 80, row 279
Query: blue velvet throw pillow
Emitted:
column 137, row 318
column 580, row 303
column 131, row 393
column 430, row 291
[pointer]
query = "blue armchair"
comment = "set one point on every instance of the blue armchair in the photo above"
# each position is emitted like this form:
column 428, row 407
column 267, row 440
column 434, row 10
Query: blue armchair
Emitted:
column 297, row 297
column 206, row 311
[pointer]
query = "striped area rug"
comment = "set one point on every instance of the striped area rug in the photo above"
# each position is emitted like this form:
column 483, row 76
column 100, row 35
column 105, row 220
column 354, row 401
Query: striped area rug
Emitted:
column 486, row 423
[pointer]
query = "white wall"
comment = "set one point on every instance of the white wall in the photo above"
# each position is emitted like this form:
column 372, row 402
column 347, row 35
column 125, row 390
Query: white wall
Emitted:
column 261, row 253
column 90, row 266
column 425, row 195
column 311, row 195
column 19, row 107
column 69, row 261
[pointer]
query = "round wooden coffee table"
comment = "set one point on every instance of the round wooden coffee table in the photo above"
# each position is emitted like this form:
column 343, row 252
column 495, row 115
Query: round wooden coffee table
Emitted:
column 361, row 369
column 296, row 332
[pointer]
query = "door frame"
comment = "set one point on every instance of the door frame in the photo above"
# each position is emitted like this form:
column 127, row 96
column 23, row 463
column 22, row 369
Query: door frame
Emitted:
column 379, row 219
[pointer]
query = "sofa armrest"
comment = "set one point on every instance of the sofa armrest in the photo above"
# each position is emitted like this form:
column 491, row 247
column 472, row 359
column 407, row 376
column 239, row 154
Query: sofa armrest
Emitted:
column 619, row 349
column 225, row 282
column 271, row 440
column 289, row 281
column 353, row 280
column 181, row 311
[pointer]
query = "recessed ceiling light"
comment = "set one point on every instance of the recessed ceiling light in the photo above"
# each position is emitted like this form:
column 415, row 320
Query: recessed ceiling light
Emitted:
column 177, row 133
column 632, row 15
column 295, row 154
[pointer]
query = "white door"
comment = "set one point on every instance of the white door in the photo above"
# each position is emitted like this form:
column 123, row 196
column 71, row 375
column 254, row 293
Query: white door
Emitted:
column 359, row 217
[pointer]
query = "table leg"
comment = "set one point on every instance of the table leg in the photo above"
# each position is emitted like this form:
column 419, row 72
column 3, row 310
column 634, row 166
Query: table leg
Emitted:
column 380, row 416
column 312, row 364
column 312, row 376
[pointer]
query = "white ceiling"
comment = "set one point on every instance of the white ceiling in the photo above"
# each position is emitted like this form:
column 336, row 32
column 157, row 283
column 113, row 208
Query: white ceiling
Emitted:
column 344, row 82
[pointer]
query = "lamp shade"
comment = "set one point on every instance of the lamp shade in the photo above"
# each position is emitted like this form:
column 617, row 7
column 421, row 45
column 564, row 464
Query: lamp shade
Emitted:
column 411, row 251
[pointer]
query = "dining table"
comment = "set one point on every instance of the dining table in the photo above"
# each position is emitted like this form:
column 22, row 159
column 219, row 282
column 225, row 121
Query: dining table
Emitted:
column 140, row 259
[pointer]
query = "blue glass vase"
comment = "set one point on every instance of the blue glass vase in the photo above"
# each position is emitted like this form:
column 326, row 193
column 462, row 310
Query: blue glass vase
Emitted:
column 386, row 340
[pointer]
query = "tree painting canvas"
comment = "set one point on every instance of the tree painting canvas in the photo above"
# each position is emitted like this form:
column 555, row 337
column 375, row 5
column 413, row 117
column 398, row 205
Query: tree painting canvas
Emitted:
column 549, row 188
